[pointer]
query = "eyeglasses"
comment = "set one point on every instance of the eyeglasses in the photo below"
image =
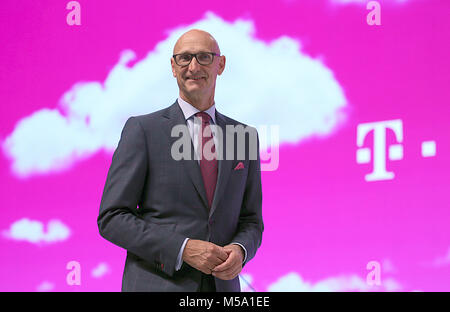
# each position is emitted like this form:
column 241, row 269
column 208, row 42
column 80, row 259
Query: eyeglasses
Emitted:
column 203, row 58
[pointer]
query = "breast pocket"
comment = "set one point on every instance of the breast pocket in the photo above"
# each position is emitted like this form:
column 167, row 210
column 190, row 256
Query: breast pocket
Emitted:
column 240, row 167
column 238, row 177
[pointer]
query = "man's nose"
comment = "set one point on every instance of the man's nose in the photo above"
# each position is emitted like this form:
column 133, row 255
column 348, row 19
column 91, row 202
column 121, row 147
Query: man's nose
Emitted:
column 194, row 65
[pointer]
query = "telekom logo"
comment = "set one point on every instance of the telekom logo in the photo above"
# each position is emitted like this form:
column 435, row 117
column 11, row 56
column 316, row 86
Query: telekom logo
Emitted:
column 395, row 151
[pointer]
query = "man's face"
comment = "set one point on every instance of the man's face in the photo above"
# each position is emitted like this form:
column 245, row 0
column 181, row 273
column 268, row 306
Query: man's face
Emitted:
column 195, row 80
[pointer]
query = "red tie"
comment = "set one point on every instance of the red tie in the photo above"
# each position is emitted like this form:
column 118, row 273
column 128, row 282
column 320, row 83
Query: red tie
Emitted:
column 208, row 164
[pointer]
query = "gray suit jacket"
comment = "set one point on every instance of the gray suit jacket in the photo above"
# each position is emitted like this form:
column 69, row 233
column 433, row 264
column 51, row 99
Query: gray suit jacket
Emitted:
column 152, row 202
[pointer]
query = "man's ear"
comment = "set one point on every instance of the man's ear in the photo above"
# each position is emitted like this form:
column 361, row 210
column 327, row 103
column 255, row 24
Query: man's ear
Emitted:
column 172, row 63
column 222, row 62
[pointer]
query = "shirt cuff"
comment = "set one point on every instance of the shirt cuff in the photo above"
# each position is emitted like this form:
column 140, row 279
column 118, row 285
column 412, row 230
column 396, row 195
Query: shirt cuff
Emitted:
column 245, row 250
column 180, row 256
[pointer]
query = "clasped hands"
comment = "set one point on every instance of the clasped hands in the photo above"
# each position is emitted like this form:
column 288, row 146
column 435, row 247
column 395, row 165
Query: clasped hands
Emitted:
column 222, row 262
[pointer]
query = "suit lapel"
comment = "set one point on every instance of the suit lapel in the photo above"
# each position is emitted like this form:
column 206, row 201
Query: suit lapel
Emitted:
column 224, row 165
column 175, row 117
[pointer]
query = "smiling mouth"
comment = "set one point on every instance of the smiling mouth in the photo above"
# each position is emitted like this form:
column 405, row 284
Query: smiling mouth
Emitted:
column 195, row 78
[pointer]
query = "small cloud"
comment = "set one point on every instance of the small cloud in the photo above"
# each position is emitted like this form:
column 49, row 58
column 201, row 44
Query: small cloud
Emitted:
column 45, row 286
column 391, row 284
column 100, row 270
column 293, row 282
column 442, row 260
column 33, row 231
column 388, row 267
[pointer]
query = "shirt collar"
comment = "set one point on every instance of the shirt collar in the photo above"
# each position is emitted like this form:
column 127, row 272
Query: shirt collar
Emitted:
column 189, row 110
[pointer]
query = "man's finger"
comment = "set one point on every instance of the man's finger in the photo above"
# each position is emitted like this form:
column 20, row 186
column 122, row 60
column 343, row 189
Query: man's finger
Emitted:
column 207, row 271
column 228, row 274
column 222, row 254
column 223, row 273
column 225, row 266
column 217, row 261
column 208, row 268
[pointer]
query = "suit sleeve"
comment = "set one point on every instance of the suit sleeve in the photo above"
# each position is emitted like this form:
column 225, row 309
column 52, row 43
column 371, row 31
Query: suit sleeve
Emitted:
column 251, row 226
column 119, row 220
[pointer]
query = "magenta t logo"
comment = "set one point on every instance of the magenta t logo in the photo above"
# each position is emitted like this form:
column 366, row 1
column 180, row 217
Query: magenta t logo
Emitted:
column 395, row 151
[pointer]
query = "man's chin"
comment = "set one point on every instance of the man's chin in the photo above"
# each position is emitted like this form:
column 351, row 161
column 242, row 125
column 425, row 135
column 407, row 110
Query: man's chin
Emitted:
column 194, row 89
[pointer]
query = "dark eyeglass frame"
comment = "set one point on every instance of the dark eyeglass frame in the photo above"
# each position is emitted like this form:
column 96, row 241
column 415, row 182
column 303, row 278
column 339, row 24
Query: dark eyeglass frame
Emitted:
column 192, row 55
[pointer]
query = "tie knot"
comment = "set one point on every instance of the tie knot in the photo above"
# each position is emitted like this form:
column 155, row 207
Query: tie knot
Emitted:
column 203, row 116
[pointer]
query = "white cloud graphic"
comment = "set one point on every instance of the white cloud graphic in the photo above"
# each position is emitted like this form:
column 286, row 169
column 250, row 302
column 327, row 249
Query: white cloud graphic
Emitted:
column 272, row 83
column 33, row 231
column 293, row 282
column 100, row 270
column 388, row 266
column 442, row 260
column 45, row 286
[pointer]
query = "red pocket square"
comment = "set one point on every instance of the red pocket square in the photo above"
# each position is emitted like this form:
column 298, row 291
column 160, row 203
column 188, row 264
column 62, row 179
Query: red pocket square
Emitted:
column 240, row 165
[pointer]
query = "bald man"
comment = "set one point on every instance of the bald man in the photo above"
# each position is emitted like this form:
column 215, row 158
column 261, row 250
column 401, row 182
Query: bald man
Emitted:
column 190, row 223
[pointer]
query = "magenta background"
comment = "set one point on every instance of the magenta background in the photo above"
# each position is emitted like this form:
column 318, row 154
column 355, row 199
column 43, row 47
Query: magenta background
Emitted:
column 321, row 218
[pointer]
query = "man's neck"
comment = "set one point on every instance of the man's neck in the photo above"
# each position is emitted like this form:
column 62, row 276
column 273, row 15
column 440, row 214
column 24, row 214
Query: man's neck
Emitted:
column 201, row 104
